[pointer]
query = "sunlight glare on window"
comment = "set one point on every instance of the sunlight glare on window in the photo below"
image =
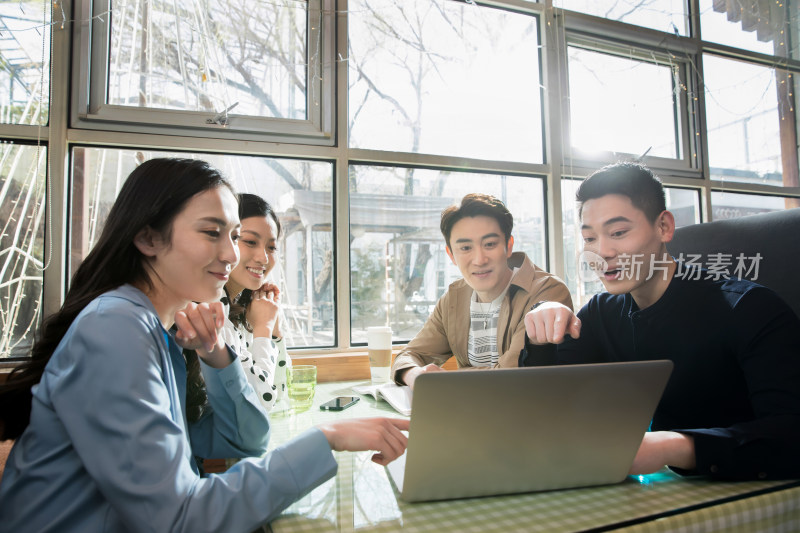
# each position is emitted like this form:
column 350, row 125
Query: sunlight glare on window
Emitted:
column 663, row 15
column 209, row 56
column 746, row 108
column 621, row 105
column 759, row 26
column 445, row 78
column 24, row 62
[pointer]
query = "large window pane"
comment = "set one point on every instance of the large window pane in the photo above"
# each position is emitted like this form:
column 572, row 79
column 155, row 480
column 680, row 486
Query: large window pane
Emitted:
column 448, row 78
column 208, row 56
column 751, row 116
column 757, row 25
column 399, row 267
column 300, row 191
column 24, row 62
column 726, row 205
column 623, row 105
column 22, row 258
column 663, row 15
column 582, row 282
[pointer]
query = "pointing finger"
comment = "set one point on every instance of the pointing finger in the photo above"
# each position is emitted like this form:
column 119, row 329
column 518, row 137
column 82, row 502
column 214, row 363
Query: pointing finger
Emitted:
column 575, row 327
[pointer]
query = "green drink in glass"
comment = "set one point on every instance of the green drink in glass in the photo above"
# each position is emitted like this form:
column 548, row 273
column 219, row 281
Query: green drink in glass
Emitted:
column 302, row 383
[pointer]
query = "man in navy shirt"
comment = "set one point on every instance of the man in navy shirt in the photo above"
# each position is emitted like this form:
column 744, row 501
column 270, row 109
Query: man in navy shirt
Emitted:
column 731, row 409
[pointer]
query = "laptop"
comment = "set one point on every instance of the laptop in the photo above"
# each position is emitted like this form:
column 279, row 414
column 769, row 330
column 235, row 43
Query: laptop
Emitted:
column 503, row 431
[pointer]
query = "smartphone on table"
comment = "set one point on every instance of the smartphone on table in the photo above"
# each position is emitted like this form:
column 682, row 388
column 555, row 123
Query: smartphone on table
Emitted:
column 339, row 403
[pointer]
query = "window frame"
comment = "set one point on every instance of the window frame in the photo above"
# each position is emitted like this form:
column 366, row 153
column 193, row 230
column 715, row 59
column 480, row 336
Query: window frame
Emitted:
column 77, row 185
column 346, row 334
column 527, row 8
column 48, row 256
column 71, row 67
column 90, row 87
column 640, row 49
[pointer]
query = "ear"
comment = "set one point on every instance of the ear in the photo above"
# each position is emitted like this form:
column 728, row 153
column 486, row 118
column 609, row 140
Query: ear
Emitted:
column 450, row 254
column 666, row 225
column 510, row 246
column 147, row 241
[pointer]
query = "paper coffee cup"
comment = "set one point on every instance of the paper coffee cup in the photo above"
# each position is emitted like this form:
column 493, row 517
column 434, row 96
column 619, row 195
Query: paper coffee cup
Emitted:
column 379, row 347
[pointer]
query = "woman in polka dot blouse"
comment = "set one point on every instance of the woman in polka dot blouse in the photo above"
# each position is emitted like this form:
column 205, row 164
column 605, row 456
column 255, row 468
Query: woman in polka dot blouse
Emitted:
column 252, row 329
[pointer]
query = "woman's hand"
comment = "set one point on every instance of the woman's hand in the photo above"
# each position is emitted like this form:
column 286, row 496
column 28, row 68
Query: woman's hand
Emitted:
column 276, row 331
column 380, row 434
column 270, row 288
column 198, row 329
column 262, row 313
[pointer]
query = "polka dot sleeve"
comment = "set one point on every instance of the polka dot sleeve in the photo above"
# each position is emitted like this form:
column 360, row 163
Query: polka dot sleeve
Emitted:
column 259, row 358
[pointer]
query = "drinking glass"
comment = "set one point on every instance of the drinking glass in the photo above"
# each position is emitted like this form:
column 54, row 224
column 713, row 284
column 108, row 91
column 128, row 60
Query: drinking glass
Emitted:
column 301, row 385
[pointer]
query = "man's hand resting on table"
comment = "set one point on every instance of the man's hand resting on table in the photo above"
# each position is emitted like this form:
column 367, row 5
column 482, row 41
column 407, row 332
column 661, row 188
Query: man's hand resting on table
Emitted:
column 549, row 322
column 411, row 375
column 379, row 434
column 663, row 448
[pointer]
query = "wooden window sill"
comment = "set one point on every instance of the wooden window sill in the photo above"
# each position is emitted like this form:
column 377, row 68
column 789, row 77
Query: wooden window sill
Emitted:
column 348, row 366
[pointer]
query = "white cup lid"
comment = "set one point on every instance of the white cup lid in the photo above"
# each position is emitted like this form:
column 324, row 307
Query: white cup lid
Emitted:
column 379, row 337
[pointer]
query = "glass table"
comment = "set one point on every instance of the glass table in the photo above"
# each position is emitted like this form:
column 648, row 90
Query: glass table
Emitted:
column 362, row 498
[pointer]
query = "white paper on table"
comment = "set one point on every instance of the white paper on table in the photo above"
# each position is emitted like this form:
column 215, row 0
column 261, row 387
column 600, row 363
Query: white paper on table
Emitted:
column 395, row 395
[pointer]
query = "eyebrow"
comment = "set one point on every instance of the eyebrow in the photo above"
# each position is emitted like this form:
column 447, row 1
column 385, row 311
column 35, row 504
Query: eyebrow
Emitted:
column 257, row 234
column 609, row 222
column 219, row 221
column 487, row 236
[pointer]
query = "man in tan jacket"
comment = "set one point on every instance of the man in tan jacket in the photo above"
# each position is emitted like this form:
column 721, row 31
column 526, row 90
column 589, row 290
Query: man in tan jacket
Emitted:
column 479, row 319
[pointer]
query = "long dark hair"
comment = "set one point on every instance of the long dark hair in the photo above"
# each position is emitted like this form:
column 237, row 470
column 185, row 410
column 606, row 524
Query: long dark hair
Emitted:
column 152, row 196
column 250, row 205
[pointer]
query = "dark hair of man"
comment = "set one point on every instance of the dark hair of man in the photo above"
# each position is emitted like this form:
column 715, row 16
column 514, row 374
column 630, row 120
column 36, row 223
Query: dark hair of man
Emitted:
column 152, row 196
column 250, row 205
column 633, row 180
column 474, row 205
